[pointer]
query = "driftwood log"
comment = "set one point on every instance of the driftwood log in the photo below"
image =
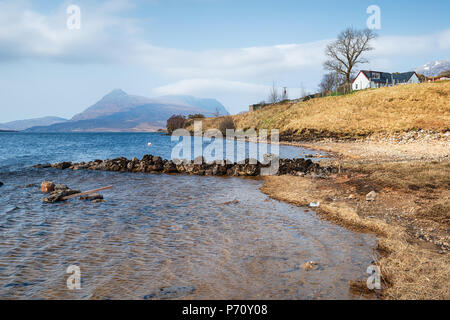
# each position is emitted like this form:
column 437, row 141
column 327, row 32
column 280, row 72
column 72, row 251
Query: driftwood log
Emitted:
column 85, row 193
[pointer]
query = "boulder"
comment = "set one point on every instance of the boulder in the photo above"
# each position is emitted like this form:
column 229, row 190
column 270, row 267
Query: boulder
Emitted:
column 170, row 167
column 62, row 165
column 130, row 165
column 42, row 166
column 249, row 167
column 47, row 186
column 371, row 196
column 55, row 196
column 92, row 197
column 60, row 187
column 310, row 265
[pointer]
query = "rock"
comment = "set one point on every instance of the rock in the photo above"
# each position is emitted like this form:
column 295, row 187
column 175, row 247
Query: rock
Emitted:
column 310, row 265
column 62, row 165
column 350, row 197
column 249, row 167
column 43, row 166
column 60, row 187
column 371, row 196
column 55, row 196
column 47, row 186
column 170, row 167
column 98, row 201
column 70, row 192
column 235, row 201
column 92, row 197
column 173, row 292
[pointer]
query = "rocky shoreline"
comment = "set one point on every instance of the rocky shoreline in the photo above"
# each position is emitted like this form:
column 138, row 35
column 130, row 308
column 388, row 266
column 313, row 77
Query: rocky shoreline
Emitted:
column 155, row 164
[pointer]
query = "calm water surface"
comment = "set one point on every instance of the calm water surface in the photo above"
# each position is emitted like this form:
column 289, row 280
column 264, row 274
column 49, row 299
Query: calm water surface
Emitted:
column 160, row 236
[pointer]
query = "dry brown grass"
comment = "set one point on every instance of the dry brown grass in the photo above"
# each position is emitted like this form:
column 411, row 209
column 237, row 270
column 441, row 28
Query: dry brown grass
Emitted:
column 406, row 176
column 396, row 109
column 411, row 268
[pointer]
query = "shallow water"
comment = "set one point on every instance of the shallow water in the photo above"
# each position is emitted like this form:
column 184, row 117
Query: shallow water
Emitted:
column 165, row 237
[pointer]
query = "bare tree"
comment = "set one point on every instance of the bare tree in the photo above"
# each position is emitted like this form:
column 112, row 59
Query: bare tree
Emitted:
column 274, row 96
column 346, row 52
column 330, row 82
column 217, row 113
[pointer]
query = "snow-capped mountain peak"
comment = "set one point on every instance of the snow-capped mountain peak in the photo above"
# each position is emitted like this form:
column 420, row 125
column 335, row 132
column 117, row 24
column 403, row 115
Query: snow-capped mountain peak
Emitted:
column 435, row 68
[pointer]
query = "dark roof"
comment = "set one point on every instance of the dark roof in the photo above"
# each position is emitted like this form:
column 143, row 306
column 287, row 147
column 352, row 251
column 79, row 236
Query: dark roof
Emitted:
column 385, row 77
column 403, row 77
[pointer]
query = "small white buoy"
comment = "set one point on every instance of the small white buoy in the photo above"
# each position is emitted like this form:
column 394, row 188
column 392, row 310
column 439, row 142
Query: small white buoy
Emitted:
column 149, row 144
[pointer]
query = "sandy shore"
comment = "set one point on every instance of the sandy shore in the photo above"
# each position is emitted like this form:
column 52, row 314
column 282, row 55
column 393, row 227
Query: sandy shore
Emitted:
column 410, row 215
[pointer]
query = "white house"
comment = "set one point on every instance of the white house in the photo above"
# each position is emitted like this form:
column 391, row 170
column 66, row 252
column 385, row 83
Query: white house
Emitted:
column 375, row 79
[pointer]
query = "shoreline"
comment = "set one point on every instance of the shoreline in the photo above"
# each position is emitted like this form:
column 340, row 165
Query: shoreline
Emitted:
column 408, row 215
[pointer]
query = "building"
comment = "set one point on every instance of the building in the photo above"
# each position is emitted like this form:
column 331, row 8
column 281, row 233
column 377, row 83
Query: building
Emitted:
column 376, row 79
column 255, row 107
column 438, row 78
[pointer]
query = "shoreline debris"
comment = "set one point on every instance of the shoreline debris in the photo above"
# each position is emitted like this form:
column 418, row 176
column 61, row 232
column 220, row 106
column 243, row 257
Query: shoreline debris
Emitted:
column 86, row 193
column 314, row 204
column 371, row 196
column 310, row 265
column 61, row 192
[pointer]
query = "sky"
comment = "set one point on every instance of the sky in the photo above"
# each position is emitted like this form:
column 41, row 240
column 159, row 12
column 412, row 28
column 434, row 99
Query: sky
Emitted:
column 229, row 50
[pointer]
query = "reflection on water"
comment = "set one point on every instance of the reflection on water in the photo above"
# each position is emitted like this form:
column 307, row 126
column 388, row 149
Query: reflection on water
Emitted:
column 167, row 237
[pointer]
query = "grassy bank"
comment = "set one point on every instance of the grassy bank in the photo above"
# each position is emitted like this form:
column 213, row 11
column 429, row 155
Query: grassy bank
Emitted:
column 410, row 217
column 385, row 110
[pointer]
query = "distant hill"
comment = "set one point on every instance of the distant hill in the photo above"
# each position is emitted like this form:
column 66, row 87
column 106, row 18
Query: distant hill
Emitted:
column 211, row 106
column 118, row 111
column 435, row 68
column 115, row 101
column 119, row 101
column 25, row 124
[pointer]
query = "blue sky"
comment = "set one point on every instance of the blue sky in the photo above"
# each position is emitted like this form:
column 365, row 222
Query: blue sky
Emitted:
column 229, row 50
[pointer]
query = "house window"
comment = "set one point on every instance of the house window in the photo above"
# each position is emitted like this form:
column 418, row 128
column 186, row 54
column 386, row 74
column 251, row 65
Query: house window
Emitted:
column 356, row 86
column 375, row 75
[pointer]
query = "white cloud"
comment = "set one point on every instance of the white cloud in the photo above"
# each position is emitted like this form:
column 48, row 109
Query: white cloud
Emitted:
column 237, row 76
column 236, row 95
column 27, row 34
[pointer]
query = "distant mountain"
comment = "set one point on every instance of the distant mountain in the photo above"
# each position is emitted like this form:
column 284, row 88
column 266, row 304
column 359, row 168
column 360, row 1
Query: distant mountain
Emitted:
column 434, row 69
column 211, row 106
column 25, row 124
column 115, row 101
column 118, row 111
